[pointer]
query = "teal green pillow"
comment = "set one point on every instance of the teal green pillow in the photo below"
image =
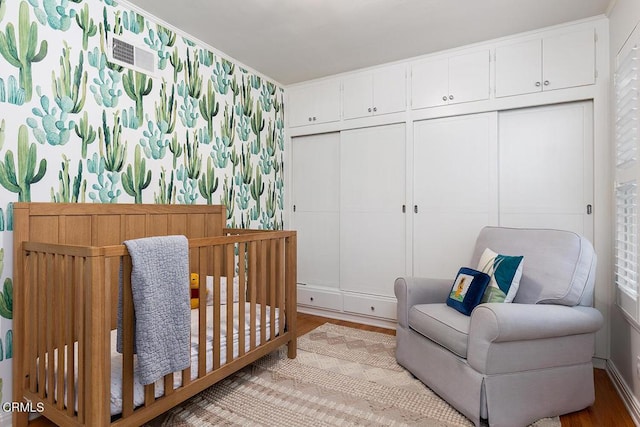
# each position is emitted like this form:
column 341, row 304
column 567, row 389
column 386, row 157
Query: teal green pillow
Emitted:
column 467, row 290
column 505, row 272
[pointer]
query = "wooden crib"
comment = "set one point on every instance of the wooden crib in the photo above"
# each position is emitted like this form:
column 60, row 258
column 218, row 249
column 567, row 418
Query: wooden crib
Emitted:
column 67, row 261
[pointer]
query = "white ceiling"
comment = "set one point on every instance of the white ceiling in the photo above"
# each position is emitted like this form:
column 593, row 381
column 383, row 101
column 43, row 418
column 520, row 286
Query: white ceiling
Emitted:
column 295, row 40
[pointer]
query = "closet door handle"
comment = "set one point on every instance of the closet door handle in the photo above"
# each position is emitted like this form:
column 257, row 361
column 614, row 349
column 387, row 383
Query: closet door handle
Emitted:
column 546, row 82
column 444, row 98
column 537, row 84
column 451, row 97
column 369, row 109
column 415, row 208
column 375, row 109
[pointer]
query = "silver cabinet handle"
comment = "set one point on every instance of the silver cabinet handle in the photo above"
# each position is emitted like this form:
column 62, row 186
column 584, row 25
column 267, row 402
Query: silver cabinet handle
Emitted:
column 310, row 119
column 546, row 82
column 369, row 109
column 450, row 97
column 375, row 109
column 444, row 98
column 314, row 118
column 537, row 84
column 373, row 308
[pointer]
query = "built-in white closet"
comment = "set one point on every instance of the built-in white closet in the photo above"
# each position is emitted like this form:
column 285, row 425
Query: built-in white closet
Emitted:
column 400, row 175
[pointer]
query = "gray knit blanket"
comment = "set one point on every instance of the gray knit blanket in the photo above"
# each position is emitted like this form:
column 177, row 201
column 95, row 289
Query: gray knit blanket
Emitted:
column 160, row 288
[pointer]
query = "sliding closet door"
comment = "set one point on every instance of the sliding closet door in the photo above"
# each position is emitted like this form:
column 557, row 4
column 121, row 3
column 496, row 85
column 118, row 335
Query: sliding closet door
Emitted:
column 316, row 217
column 546, row 167
column 455, row 190
column 372, row 222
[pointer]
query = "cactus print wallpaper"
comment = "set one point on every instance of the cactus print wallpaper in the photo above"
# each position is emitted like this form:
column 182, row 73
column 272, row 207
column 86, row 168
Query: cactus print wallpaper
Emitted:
column 75, row 127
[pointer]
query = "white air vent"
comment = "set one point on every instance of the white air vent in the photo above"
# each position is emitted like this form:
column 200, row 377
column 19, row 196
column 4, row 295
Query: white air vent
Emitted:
column 129, row 55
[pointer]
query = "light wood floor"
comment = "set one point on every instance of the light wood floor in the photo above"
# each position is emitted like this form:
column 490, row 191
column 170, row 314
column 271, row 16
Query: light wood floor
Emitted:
column 608, row 409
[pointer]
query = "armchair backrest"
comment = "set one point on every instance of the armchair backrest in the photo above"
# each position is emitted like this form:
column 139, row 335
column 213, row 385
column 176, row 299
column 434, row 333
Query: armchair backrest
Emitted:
column 559, row 267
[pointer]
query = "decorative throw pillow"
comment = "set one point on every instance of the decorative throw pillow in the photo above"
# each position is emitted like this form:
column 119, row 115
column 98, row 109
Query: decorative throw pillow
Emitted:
column 467, row 290
column 505, row 272
column 223, row 290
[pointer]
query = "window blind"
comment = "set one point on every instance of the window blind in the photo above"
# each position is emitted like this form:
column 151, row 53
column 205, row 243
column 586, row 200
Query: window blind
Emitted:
column 626, row 246
column 627, row 137
column 627, row 103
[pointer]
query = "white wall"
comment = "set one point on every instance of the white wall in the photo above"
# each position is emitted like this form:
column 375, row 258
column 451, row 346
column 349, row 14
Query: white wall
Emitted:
column 625, row 337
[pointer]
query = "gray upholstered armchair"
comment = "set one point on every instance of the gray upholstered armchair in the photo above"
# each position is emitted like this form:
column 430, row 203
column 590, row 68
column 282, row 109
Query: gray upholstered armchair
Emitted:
column 508, row 363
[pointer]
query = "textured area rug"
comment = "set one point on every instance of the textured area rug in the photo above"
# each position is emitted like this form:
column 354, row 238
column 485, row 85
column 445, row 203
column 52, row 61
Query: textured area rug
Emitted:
column 341, row 377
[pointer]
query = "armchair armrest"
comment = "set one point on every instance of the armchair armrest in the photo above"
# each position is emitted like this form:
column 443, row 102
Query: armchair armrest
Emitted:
column 418, row 290
column 499, row 326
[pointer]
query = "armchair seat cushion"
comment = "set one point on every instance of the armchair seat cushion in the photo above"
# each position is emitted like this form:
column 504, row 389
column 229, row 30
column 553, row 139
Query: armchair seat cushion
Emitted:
column 441, row 324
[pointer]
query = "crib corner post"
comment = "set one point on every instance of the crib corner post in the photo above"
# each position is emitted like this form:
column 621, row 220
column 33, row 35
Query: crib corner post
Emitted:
column 20, row 234
column 98, row 342
column 292, row 293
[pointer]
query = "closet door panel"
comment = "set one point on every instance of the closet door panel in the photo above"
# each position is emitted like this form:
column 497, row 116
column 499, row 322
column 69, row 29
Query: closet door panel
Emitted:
column 372, row 224
column 546, row 167
column 372, row 164
column 455, row 190
column 318, row 254
column 372, row 251
column 316, row 172
column 444, row 242
column 315, row 211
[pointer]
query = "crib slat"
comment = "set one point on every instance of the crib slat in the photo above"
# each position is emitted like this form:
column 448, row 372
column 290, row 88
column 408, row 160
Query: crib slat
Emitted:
column 69, row 322
column 48, row 339
column 204, row 256
column 217, row 273
column 280, row 284
column 32, row 275
column 42, row 336
column 61, row 309
column 253, row 273
column 273, row 254
column 230, row 270
column 263, row 291
column 242, row 262
column 127, row 338
column 149, row 394
column 80, row 306
column 168, row 384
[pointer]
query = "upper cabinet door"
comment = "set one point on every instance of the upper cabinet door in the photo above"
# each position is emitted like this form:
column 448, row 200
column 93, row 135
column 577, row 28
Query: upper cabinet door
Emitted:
column 430, row 83
column 519, row 68
column 553, row 62
column 314, row 103
column 357, row 96
column 469, row 77
column 569, row 60
column 460, row 78
column 381, row 91
column 390, row 89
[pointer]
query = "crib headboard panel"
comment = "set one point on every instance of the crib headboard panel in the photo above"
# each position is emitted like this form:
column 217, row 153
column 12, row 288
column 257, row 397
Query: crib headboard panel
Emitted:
column 93, row 224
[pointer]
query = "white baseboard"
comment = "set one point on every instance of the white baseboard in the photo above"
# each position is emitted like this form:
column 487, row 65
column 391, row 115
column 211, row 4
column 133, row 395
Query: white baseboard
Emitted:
column 628, row 398
column 365, row 320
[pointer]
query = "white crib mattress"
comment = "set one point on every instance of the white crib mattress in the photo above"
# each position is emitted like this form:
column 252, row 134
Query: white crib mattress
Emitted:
column 138, row 388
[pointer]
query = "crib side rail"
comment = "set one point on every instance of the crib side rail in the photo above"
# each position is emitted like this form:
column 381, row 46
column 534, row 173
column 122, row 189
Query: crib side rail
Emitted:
column 65, row 342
